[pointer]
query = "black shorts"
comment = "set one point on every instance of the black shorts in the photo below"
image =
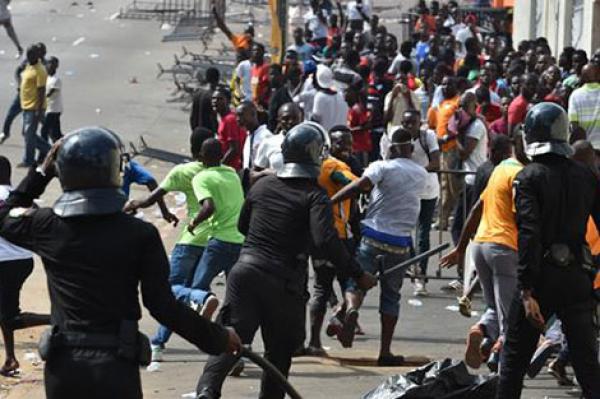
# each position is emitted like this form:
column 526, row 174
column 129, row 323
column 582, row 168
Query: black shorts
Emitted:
column 13, row 274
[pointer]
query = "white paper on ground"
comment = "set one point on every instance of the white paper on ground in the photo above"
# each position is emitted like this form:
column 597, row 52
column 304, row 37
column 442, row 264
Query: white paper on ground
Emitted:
column 78, row 41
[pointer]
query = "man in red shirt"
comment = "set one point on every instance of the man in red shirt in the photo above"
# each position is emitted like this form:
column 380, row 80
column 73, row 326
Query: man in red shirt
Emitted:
column 518, row 107
column 259, row 77
column 500, row 125
column 485, row 107
column 229, row 133
column 359, row 122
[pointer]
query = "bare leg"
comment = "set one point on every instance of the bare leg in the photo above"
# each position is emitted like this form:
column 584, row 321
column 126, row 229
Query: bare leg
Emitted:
column 388, row 325
column 10, row 363
column 10, row 30
column 24, row 320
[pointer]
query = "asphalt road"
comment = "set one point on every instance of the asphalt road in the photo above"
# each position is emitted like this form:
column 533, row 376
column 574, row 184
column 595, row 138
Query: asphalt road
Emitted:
column 100, row 58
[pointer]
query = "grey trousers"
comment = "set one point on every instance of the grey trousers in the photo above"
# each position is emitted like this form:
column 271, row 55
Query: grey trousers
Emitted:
column 497, row 269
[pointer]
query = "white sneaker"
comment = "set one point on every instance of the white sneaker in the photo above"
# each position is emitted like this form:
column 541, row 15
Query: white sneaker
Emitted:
column 157, row 353
column 420, row 288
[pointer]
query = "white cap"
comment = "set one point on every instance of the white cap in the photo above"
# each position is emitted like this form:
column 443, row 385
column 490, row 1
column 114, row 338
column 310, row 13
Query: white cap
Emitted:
column 324, row 77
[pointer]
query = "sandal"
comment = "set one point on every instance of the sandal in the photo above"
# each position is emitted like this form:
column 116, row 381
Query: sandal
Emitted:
column 10, row 369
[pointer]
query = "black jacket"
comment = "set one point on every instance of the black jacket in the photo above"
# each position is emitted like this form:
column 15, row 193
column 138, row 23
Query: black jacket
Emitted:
column 282, row 218
column 554, row 198
column 94, row 265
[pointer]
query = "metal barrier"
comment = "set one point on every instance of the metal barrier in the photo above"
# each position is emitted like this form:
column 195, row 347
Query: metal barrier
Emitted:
column 189, row 66
column 164, row 10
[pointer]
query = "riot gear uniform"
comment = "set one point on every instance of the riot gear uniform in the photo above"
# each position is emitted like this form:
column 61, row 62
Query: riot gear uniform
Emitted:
column 267, row 287
column 554, row 197
column 95, row 257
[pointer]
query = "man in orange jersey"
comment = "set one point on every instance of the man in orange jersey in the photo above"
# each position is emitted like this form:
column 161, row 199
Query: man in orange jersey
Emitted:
column 492, row 222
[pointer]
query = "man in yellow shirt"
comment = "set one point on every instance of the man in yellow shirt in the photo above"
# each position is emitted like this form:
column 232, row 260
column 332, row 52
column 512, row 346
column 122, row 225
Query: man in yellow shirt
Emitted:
column 492, row 221
column 33, row 103
column 335, row 174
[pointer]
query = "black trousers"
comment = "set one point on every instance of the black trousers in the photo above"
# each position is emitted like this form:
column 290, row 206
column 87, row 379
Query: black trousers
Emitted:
column 255, row 298
column 568, row 295
column 51, row 127
column 92, row 374
column 325, row 274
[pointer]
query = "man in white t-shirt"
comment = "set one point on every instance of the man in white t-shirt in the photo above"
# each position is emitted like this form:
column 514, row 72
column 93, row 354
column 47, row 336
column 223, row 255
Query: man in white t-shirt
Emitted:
column 51, row 126
column 472, row 147
column 395, row 187
column 269, row 158
column 243, row 80
column 257, row 133
column 470, row 30
column 358, row 11
column 329, row 107
column 426, row 152
column 315, row 21
column 16, row 264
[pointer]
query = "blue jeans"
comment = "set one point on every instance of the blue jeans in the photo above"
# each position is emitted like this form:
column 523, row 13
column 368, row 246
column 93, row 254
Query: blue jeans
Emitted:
column 219, row 256
column 13, row 112
column 32, row 140
column 184, row 261
column 424, row 228
column 390, row 284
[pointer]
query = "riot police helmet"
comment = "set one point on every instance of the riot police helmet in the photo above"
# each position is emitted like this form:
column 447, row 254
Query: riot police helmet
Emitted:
column 89, row 164
column 303, row 150
column 546, row 130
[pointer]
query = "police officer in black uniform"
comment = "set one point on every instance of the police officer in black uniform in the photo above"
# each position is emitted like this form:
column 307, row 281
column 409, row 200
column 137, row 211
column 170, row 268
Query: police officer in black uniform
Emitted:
column 554, row 197
column 267, row 287
column 95, row 257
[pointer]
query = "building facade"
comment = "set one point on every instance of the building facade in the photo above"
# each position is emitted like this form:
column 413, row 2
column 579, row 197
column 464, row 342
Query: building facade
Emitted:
column 563, row 22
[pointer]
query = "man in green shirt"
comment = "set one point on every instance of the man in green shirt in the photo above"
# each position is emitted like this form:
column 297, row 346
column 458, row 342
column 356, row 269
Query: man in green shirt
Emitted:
column 188, row 251
column 219, row 192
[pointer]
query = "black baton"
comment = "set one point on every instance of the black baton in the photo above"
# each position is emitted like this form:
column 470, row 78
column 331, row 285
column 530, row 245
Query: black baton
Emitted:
column 272, row 370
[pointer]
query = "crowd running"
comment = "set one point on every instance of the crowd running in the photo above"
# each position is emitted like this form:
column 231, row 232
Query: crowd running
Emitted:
column 342, row 158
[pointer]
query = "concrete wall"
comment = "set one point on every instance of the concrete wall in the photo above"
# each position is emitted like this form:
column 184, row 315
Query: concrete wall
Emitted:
column 553, row 19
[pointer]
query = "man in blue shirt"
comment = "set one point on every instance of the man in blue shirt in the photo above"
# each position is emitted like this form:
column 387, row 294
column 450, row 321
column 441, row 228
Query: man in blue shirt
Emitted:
column 133, row 172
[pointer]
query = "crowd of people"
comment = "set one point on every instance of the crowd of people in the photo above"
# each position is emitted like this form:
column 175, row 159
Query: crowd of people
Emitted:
column 344, row 156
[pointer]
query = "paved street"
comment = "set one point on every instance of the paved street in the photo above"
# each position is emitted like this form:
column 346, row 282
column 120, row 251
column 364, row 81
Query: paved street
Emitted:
column 100, row 58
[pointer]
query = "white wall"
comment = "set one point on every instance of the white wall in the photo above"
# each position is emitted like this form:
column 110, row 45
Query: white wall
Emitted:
column 554, row 19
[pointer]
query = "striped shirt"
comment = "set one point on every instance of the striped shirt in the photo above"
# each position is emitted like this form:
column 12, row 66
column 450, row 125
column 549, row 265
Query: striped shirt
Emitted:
column 584, row 109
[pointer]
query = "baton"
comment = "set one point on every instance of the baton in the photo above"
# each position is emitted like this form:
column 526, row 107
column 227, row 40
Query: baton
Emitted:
column 412, row 260
column 272, row 370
